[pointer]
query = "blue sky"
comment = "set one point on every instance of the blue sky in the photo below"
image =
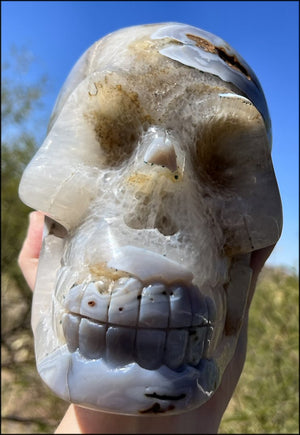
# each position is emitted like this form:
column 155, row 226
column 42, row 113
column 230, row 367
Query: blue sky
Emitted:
column 265, row 33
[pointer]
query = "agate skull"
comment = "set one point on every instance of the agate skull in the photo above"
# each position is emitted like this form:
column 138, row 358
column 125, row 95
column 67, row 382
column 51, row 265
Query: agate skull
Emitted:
column 157, row 184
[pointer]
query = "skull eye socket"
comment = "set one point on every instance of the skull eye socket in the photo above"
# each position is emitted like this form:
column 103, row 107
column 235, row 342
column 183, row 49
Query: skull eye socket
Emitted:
column 118, row 122
column 117, row 139
column 230, row 151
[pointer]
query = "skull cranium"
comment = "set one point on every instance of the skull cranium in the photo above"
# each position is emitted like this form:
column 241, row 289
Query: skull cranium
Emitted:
column 157, row 182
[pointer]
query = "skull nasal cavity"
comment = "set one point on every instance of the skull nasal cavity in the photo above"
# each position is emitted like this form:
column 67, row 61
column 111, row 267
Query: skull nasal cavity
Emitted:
column 146, row 217
column 165, row 225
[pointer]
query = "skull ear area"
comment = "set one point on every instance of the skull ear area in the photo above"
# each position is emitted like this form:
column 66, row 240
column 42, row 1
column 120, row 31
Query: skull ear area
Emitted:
column 257, row 262
column 253, row 218
column 63, row 172
column 243, row 274
column 233, row 156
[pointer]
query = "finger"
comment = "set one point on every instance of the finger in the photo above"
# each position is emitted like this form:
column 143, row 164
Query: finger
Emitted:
column 33, row 241
column 29, row 254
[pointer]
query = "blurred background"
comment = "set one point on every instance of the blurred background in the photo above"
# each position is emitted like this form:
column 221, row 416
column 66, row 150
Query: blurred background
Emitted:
column 40, row 43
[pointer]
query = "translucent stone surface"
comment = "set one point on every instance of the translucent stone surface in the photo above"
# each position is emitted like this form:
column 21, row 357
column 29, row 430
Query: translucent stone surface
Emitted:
column 157, row 181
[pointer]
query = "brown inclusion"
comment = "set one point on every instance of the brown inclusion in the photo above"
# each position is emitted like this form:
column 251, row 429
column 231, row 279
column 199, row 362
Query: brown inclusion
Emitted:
column 231, row 60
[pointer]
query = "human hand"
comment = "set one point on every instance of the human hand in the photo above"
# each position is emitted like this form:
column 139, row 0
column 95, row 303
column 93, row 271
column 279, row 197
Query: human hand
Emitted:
column 205, row 419
column 30, row 251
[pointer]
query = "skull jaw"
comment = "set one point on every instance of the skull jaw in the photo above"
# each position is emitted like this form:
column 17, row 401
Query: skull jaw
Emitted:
column 131, row 390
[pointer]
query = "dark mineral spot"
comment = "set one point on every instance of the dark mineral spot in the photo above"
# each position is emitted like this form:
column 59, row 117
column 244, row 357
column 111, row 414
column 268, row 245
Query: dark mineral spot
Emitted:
column 156, row 408
column 165, row 396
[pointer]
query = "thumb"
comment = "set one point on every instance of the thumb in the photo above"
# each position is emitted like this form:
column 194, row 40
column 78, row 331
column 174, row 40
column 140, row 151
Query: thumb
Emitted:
column 30, row 252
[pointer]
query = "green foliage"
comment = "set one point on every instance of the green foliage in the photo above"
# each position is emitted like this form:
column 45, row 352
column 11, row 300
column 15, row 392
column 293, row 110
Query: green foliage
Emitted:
column 20, row 97
column 266, row 399
column 20, row 102
column 14, row 214
column 28, row 406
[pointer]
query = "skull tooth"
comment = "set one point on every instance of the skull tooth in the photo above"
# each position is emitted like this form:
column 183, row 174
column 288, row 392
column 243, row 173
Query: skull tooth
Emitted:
column 125, row 302
column 150, row 348
column 195, row 346
column 211, row 310
column 154, row 309
column 209, row 345
column 175, row 349
column 70, row 324
column 120, row 345
column 91, row 339
column 199, row 307
column 180, row 307
column 73, row 299
column 95, row 301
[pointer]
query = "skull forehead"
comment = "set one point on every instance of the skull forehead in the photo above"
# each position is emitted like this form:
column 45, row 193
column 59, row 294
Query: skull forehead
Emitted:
column 122, row 106
column 134, row 54
column 153, row 86
column 136, row 87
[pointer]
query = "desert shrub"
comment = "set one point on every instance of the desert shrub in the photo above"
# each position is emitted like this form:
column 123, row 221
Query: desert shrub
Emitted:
column 266, row 399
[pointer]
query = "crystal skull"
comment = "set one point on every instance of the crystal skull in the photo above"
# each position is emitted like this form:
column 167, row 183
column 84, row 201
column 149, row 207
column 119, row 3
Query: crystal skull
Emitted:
column 157, row 183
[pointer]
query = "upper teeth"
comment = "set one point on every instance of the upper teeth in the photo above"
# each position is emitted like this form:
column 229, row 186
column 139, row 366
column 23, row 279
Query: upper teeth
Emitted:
column 126, row 321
